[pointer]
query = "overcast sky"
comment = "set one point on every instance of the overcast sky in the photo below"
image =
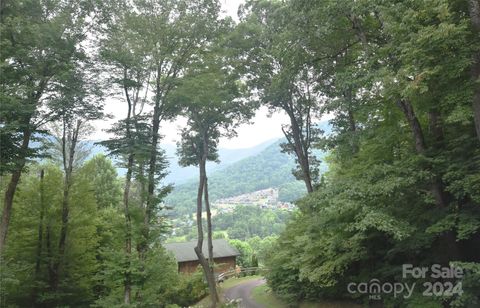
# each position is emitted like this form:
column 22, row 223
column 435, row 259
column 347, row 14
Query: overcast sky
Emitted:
column 263, row 127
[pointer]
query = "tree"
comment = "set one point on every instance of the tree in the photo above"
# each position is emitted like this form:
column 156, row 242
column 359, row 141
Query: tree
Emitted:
column 71, row 154
column 22, row 254
column 100, row 171
column 124, row 51
column 175, row 31
column 398, row 84
column 40, row 47
column 474, row 9
column 210, row 96
column 283, row 79
column 150, row 42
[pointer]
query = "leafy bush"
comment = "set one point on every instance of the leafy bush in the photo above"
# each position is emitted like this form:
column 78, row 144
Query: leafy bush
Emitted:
column 190, row 290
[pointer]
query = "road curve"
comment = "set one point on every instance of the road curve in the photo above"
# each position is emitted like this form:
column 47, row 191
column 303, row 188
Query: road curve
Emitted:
column 243, row 291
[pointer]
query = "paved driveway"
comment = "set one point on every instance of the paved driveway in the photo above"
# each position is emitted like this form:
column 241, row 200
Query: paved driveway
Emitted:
column 243, row 291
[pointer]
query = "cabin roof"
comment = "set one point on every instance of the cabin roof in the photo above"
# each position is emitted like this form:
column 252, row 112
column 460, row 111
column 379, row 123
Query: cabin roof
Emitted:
column 184, row 252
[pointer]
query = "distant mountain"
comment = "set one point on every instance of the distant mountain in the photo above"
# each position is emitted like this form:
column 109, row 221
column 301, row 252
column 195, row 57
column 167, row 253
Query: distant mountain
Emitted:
column 268, row 168
column 179, row 175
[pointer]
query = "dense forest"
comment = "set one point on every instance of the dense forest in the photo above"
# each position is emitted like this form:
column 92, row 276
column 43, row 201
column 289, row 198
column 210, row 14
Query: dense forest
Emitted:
column 398, row 81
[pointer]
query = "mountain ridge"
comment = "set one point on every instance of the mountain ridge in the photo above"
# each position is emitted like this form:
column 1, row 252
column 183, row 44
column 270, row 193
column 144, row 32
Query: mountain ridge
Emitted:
column 270, row 168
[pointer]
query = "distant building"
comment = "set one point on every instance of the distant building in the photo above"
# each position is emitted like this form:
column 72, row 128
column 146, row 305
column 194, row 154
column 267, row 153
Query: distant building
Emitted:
column 224, row 255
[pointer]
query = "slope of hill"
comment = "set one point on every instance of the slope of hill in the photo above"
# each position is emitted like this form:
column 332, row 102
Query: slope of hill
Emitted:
column 179, row 175
column 269, row 168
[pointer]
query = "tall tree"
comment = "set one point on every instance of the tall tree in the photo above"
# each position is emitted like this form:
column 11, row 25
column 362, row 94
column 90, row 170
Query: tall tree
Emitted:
column 124, row 52
column 77, row 102
column 149, row 43
column 71, row 152
column 283, row 79
column 211, row 98
column 175, row 32
column 40, row 46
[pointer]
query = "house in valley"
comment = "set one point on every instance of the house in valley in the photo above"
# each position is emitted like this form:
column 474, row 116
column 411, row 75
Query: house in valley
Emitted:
column 224, row 255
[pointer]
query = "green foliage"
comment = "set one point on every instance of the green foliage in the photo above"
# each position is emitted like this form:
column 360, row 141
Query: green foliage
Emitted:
column 95, row 262
column 158, row 281
column 190, row 290
column 403, row 185
column 40, row 59
column 210, row 97
column 404, row 163
column 245, row 222
column 101, row 173
column 291, row 191
column 22, row 254
column 246, row 252
column 253, row 251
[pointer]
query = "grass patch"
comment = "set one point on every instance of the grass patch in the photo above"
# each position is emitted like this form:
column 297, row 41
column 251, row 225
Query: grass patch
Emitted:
column 264, row 296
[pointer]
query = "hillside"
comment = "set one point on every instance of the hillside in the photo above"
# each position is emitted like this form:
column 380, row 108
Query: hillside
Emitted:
column 179, row 175
column 269, row 168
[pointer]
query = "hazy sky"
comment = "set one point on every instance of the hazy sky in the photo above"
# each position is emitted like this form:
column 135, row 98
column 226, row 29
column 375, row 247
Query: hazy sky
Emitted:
column 263, row 127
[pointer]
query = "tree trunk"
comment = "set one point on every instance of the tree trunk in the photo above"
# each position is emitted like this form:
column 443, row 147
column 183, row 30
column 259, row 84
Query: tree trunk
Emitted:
column 301, row 149
column 207, row 270
column 209, row 223
column 68, row 162
column 126, row 196
column 128, row 227
column 359, row 31
column 305, row 166
column 352, row 125
column 40, row 236
column 414, row 124
column 50, row 258
column 11, row 188
column 63, row 230
column 436, row 186
column 447, row 240
column 474, row 8
column 210, row 238
column 435, row 125
column 351, row 122
column 151, row 200
column 207, row 205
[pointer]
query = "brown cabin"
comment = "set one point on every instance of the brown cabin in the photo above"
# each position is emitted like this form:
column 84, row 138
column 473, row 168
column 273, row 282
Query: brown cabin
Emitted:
column 224, row 255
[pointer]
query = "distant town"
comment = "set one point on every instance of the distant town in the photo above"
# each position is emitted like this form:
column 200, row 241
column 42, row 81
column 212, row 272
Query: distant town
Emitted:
column 266, row 198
